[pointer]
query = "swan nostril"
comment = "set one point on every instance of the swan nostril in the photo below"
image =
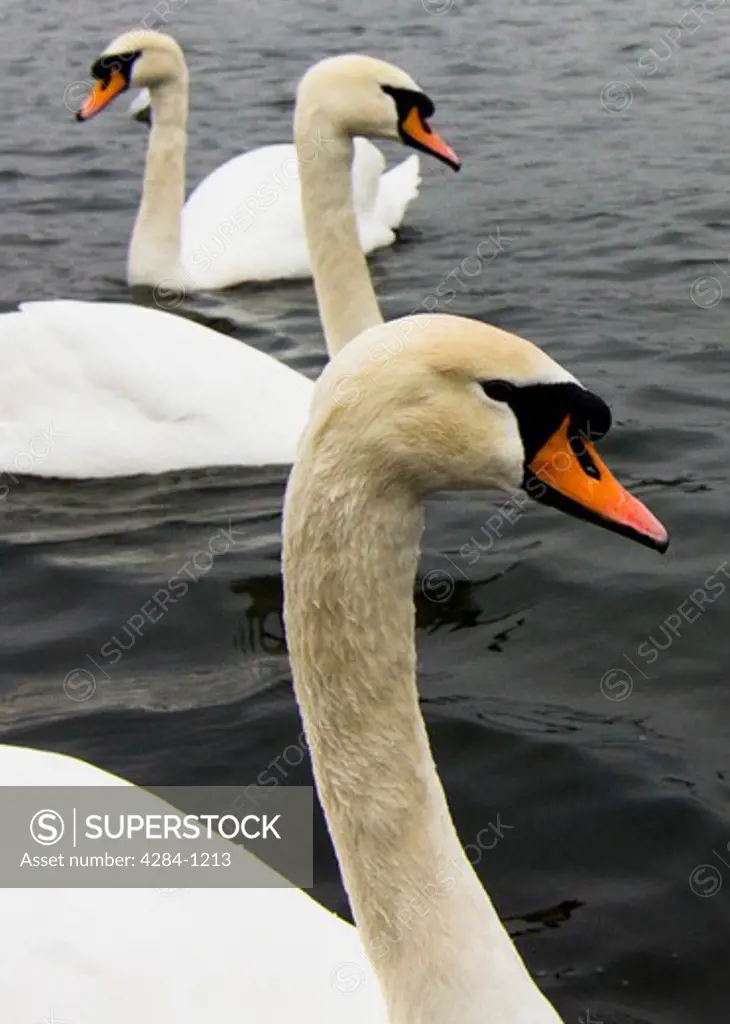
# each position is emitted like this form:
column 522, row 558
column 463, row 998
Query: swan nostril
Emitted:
column 585, row 459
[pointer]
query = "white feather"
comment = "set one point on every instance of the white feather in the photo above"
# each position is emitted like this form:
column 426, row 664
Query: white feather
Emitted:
column 109, row 389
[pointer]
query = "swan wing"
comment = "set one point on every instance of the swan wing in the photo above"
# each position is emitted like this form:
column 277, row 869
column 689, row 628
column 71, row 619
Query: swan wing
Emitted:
column 397, row 189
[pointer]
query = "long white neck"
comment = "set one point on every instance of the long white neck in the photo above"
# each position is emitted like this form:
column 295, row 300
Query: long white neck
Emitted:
column 432, row 935
column 345, row 295
column 154, row 250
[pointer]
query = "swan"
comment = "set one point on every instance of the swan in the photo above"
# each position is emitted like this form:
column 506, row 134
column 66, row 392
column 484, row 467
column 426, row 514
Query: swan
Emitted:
column 112, row 389
column 381, row 200
column 411, row 407
column 244, row 221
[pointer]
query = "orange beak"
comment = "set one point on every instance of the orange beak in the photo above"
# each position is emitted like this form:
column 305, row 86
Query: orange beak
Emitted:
column 417, row 132
column 568, row 474
column 101, row 95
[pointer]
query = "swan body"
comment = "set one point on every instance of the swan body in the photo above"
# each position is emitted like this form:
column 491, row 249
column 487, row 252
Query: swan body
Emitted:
column 455, row 405
column 113, row 389
column 118, row 955
column 244, row 222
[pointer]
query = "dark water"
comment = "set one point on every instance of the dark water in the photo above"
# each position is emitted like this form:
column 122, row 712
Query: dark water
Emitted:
column 609, row 205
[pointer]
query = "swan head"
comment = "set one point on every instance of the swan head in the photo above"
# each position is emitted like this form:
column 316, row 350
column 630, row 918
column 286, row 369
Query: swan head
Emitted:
column 441, row 402
column 360, row 95
column 141, row 59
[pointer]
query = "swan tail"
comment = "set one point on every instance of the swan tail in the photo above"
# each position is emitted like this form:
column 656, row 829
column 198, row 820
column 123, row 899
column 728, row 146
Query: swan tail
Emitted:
column 398, row 188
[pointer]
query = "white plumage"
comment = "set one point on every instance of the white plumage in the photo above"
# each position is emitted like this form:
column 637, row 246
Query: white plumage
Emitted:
column 110, row 389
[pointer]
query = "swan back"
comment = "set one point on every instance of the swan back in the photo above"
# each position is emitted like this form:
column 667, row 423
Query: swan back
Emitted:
column 109, row 389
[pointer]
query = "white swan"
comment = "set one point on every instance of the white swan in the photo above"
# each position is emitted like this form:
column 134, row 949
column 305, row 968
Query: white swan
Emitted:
column 123, row 389
column 271, row 244
column 409, row 408
column 455, row 405
column 244, row 221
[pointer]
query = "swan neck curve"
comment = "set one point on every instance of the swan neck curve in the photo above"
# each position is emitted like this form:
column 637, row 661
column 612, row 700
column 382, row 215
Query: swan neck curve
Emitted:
column 154, row 249
column 345, row 294
column 428, row 927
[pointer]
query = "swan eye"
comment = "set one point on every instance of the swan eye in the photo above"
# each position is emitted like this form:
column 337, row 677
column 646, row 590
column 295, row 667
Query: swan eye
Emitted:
column 407, row 99
column 499, row 390
column 105, row 66
column 414, row 109
column 540, row 409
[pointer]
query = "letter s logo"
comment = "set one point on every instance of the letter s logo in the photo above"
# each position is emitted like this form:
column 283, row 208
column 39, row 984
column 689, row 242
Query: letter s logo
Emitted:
column 47, row 827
